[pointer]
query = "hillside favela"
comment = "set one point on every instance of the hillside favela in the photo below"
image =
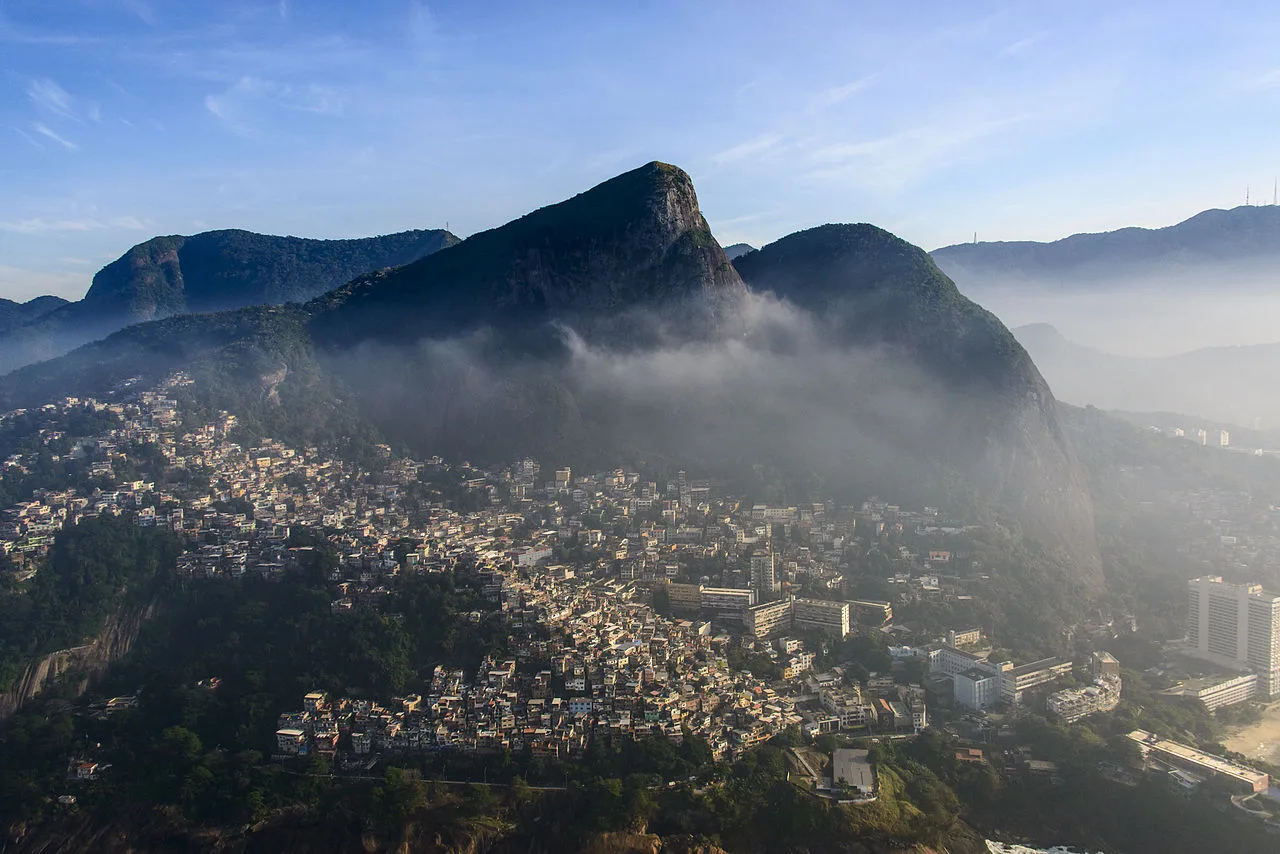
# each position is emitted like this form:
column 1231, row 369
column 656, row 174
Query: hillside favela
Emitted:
column 609, row 469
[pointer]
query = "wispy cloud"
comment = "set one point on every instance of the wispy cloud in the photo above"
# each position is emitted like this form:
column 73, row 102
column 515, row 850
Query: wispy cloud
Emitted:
column 1267, row 80
column 40, row 225
column 29, row 138
column 46, row 132
column 1018, row 47
column 422, row 24
column 831, row 97
column 14, row 33
column 756, row 147
column 900, row 158
column 140, row 10
column 49, row 97
column 241, row 106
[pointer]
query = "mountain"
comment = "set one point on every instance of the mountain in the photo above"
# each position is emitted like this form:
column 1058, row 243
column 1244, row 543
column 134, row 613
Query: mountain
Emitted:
column 611, row 328
column 13, row 314
column 1220, row 384
column 738, row 249
column 1242, row 241
column 966, row 390
column 212, row 271
column 638, row 239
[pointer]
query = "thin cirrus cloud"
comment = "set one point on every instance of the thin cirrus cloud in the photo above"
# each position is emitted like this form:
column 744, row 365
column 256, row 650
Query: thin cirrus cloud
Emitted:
column 51, row 98
column 244, row 105
column 1021, row 46
column 837, row 94
column 752, row 148
column 900, row 158
column 39, row 225
column 1267, row 80
column 48, row 133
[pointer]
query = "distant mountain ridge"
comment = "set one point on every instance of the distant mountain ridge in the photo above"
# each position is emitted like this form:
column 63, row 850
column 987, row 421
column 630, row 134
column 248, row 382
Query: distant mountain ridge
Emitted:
column 736, row 250
column 13, row 314
column 211, row 271
column 1221, row 384
column 1247, row 236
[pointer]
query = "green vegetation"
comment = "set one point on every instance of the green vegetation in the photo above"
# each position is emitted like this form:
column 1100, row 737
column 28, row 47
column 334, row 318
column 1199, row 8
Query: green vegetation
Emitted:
column 859, row 267
column 93, row 570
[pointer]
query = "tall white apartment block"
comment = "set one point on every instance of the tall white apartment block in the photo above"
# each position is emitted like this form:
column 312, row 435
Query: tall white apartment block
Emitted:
column 764, row 576
column 1236, row 622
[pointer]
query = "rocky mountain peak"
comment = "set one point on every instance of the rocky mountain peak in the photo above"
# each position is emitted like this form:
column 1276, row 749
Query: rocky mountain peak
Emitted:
column 635, row 240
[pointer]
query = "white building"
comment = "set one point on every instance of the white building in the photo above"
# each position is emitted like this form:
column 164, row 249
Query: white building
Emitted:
column 1015, row 680
column 1238, row 623
column 976, row 688
column 764, row 576
column 1216, row 692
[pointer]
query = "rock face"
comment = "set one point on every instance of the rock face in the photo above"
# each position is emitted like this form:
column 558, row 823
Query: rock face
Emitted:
column 83, row 663
column 213, row 271
column 635, row 240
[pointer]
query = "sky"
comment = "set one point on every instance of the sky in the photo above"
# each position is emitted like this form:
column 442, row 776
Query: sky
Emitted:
column 124, row 119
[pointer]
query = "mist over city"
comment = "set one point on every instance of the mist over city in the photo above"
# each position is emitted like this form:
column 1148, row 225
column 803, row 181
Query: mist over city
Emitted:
column 685, row 428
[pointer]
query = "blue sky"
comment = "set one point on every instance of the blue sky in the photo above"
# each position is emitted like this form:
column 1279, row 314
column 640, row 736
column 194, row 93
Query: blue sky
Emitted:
column 121, row 119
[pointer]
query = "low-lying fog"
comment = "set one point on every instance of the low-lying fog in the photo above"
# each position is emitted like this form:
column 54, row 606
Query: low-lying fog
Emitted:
column 1202, row 344
column 1143, row 321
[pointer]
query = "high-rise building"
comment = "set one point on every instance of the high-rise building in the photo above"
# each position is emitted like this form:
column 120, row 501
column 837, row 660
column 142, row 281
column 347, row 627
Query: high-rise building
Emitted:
column 764, row 576
column 1224, row 439
column 1239, row 623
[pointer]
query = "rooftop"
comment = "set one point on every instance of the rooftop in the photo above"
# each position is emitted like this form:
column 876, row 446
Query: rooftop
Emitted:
column 854, row 768
column 1203, row 760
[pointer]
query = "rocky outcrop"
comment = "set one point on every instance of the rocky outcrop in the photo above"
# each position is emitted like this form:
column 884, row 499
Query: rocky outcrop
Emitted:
column 78, row 666
column 637, row 240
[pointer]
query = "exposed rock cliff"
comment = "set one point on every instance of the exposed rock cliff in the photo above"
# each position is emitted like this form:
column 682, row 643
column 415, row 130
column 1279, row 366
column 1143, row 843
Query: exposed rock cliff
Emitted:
column 80, row 665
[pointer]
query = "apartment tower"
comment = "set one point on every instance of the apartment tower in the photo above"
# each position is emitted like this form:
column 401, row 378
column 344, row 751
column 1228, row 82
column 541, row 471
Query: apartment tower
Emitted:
column 1239, row 623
